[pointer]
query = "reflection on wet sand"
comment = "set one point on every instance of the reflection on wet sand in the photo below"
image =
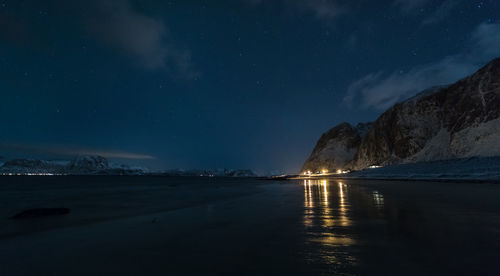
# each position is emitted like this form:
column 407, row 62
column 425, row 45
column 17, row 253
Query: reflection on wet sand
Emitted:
column 378, row 199
column 343, row 207
column 332, row 211
column 327, row 221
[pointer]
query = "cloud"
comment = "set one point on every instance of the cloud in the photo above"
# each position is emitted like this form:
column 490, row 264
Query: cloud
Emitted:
column 487, row 39
column 70, row 151
column 146, row 39
column 116, row 23
column 380, row 90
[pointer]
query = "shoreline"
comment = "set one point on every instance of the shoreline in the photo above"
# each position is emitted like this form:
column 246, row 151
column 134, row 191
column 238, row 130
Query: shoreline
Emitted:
column 452, row 180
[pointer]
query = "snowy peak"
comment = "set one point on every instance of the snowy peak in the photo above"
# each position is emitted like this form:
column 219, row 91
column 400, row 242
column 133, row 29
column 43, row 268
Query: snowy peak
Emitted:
column 89, row 164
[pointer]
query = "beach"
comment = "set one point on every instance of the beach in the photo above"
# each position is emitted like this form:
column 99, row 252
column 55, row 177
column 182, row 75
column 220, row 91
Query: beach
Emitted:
column 248, row 226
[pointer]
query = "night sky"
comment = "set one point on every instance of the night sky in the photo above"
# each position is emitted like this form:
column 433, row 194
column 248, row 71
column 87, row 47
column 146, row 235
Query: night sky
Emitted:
column 214, row 84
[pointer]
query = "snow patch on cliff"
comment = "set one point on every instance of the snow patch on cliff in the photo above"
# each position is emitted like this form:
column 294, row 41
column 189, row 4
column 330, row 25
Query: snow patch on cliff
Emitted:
column 336, row 151
column 481, row 140
column 437, row 148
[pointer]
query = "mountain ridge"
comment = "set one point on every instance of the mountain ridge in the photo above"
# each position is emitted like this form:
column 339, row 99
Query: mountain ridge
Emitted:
column 454, row 121
column 98, row 165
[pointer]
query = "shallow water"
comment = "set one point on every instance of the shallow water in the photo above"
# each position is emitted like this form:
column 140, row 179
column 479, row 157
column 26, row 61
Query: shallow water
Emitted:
column 179, row 226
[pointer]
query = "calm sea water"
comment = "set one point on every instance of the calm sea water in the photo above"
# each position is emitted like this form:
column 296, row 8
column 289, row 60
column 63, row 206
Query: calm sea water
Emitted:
column 193, row 226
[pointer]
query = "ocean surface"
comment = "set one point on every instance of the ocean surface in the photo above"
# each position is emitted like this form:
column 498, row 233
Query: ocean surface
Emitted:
column 245, row 226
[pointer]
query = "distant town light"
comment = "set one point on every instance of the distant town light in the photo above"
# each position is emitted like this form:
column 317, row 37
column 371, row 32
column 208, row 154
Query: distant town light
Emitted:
column 324, row 171
column 29, row 173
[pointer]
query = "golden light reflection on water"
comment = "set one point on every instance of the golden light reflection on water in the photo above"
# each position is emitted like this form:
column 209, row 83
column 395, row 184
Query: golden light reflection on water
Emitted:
column 325, row 191
column 343, row 207
column 378, row 199
column 317, row 203
column 326, row 218
column 330, row 219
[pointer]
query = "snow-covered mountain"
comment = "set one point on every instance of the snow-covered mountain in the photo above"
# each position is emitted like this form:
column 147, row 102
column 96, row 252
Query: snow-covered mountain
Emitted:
column 98, row 165
column 456, row 121
column 89, row 164
column 81, row 165
column 24, row 166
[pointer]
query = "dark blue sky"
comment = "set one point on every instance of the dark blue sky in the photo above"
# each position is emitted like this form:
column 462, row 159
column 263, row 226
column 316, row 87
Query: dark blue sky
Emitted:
column 210, row 84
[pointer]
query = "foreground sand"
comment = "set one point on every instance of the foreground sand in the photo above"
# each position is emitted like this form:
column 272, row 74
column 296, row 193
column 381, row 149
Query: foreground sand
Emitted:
column 254, row 227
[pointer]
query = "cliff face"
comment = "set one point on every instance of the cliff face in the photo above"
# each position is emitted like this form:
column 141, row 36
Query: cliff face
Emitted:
column 336, row 147
column 400, row 132
column 461, row 120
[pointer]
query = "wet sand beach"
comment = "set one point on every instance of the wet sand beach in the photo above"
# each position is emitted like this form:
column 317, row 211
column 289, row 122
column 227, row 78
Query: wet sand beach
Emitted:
column 193, row 226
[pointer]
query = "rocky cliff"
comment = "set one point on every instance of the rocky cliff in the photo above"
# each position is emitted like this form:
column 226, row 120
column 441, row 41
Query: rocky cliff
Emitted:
column 336, row 148
column 460, row 120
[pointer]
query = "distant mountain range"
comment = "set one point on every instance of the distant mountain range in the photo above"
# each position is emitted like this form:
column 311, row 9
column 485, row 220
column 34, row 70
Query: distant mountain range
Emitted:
column 98, row 165
column 442, row 123
column 81, row 165
column 213, row 172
